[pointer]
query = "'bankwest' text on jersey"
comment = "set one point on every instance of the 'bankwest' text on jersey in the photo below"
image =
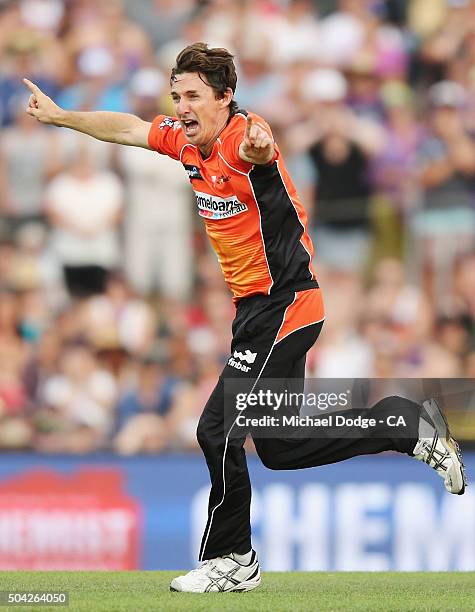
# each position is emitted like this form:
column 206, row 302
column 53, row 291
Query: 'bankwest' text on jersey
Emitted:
column 253, row 216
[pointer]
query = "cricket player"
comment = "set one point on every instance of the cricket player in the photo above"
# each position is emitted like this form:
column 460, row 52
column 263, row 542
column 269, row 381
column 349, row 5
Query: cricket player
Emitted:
column 258, row 228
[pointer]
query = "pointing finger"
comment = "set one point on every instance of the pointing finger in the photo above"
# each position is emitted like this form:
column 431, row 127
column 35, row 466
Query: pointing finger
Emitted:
column 248, row 126
column 31, row 86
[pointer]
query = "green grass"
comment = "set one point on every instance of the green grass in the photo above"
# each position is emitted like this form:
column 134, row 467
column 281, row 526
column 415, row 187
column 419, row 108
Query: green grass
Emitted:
column 279, row 592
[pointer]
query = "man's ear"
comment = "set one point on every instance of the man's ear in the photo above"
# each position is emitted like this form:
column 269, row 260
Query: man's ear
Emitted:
column 226, row 98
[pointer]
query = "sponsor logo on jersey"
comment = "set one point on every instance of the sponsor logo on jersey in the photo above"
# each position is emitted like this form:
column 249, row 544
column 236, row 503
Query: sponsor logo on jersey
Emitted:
column 212, row 207
column 236, row 360
column 193, row 172
column 167, row 122
column 247, row 356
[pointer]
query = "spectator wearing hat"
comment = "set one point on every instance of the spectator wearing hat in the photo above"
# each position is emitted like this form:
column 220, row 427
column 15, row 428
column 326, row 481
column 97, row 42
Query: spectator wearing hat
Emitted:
column 444, row 227
column 343, row 145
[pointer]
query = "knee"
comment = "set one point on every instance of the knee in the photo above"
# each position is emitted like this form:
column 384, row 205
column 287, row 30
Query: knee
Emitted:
column 397, row 402
column 411, row 406
column 268, row 458
column 270, row 464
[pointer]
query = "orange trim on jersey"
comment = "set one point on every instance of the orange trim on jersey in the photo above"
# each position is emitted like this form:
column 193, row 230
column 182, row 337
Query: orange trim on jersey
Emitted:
column 305, row 310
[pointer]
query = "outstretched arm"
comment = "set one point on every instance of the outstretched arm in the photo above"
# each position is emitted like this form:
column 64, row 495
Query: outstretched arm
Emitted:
column 257, row 146
column 121, row 128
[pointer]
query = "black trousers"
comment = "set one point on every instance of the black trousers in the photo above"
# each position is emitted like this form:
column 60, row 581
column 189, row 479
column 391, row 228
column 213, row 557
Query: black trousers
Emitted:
column 84, row 281
column 269, row 343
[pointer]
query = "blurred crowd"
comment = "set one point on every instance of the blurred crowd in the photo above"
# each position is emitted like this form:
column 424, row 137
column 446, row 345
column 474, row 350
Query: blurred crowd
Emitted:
column 114, row 319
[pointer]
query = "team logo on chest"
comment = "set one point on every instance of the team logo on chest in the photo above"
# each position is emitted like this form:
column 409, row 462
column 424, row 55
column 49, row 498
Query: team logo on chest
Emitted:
column 212, row 207
column 219, row 180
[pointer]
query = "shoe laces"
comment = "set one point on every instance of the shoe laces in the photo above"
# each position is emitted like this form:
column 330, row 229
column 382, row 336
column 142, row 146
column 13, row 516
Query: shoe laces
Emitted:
column 201, row 565
column 209, row 564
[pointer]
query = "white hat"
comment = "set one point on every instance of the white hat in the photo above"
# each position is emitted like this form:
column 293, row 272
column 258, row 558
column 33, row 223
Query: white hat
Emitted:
column 42, row 14
column 325, row 85
column 95, row 61
column 447, row 93
column 147, row 83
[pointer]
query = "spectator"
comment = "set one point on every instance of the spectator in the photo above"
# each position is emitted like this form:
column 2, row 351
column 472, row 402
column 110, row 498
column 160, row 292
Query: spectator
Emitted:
column 445, row 227
column 393, row 169
column 158, row 248
column 84, row 207
column 161, row 19
column 341, row 159
column 28, row 158
column 77, row 403
column 35, row 266
column 364, row 88
column 142, row 410
column 152, row 392
column 447, row 155
column 298, row 32
column 118, row 319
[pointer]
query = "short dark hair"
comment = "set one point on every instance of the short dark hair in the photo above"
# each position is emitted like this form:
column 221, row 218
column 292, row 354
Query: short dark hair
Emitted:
column 215, row 64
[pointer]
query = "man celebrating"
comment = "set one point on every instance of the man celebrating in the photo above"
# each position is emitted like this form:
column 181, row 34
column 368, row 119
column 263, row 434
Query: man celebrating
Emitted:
column 258, row 229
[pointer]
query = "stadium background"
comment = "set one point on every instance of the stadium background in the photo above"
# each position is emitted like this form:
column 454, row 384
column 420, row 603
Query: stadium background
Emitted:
column 114, row 319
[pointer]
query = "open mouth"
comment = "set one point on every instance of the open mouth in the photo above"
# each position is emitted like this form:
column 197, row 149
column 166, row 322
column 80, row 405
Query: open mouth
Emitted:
column 190, row 126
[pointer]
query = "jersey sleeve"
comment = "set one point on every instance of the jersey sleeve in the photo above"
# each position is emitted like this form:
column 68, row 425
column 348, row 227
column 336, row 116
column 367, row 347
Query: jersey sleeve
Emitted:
column 166, row 136
column 230, row 145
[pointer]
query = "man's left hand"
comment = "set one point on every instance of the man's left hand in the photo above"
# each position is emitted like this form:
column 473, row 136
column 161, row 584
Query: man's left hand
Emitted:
column 257, row 146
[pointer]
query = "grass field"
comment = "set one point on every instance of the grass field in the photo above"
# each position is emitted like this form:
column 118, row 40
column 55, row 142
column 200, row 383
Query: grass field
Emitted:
column 279, row 592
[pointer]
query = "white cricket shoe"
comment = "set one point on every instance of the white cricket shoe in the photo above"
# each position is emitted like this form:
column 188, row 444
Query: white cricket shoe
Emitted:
column 222, row 574
column 440, row 450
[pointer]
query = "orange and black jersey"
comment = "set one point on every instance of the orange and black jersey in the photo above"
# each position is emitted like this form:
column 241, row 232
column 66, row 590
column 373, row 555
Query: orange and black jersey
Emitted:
column 253, row 216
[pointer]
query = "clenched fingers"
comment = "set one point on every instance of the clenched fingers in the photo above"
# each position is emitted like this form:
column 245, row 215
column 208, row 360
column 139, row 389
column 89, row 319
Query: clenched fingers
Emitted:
column 32, row 101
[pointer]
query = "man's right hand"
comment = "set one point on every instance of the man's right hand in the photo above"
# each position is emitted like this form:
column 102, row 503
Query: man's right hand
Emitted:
column 40, row 106
column 121, row 128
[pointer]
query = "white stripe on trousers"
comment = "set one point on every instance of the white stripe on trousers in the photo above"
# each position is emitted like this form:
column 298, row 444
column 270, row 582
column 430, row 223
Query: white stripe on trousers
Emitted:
column 230, row 429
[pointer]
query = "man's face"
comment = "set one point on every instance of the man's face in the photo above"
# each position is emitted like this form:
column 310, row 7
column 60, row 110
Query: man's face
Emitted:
column 200, row 113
